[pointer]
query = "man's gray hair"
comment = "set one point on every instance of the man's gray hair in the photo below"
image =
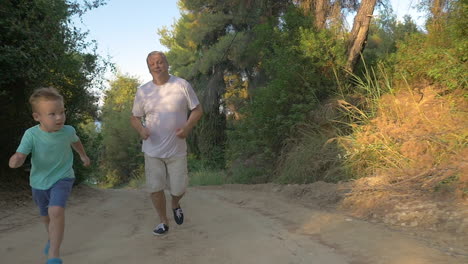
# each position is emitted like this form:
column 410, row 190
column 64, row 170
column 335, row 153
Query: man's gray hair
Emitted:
column 156, row 53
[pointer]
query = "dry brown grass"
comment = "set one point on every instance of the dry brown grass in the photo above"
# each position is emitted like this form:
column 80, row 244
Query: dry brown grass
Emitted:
column 415, row 148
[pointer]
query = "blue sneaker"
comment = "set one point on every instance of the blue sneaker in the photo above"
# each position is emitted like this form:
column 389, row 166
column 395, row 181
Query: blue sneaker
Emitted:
column 46, row 248
column 160, row 230
column 178, row 215
column 54, row 261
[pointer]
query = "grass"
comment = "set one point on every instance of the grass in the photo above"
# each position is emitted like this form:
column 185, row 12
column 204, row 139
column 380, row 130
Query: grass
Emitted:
column 403, row 141
column 204, row 177
column 314, row 158
column 247, row 175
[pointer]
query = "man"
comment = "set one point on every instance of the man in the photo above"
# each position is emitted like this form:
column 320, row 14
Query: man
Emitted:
column 164, row 103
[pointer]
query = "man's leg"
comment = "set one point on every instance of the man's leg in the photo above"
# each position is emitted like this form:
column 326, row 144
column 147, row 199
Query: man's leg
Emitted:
column 175, row 200
column 178, row 181
column 56, row 229
column 155, row 174
column 159, row 203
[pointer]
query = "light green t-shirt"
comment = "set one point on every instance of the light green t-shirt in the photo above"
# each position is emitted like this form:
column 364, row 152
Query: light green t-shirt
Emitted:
column 51, row 155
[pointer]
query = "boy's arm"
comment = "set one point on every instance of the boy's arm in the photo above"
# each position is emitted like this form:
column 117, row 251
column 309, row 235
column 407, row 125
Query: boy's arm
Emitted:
column 78, row 147
column 17, row 160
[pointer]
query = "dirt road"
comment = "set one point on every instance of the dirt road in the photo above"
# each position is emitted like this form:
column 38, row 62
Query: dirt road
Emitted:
column 223, row 225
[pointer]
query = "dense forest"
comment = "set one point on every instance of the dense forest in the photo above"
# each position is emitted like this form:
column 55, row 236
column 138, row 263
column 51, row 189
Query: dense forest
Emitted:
column 290, row 92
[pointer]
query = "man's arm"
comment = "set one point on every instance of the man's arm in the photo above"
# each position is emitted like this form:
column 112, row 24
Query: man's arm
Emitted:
column 136, row 124
column 194, row 116
column 78, row 147
column 17, row 160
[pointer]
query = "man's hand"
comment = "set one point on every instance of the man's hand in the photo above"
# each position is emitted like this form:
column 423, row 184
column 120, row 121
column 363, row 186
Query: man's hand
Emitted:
column 144, row 133
column 136, row 124
column 86, row 161
column 182, row 132
column 194, row 116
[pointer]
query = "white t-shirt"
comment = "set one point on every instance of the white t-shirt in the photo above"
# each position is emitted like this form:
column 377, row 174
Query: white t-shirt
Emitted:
column 165, row 108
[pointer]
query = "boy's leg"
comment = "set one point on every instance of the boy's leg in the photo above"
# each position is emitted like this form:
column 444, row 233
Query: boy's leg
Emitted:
column 59, row 194
column 42, row 198
column 46, row 221
column 56, row 230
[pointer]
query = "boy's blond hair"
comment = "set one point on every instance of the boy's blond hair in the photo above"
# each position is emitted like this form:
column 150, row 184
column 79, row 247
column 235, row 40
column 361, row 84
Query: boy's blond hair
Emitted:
column 45, row 93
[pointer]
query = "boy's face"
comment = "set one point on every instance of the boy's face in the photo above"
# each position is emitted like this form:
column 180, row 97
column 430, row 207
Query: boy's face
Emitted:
column 50, row 114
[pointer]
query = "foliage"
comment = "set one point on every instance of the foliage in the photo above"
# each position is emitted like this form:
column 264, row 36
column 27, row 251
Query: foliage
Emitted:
column 121, row 146
column 91, row 138
column 248, row 174
column 311, row 157
column 137, row 178
column 40, row 47
column 384, row 33
column 440, row 55
column 204, row 177
column 208, row 43
column 413, row 147
column 298, row 77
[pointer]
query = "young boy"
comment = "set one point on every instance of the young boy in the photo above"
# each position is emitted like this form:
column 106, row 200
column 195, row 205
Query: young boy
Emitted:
column 50, row 144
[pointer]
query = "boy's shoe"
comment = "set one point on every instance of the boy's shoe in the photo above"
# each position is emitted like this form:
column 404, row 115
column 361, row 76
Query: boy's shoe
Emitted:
column 46, row 248
column 54, row 261
column 178, row 215
column 160, row 229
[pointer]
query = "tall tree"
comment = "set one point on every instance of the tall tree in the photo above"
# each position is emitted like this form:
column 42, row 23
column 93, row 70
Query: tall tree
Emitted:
column 328, row 13
column 359, row 32
column 209, row 43
column 40, row 47
column 121, row 145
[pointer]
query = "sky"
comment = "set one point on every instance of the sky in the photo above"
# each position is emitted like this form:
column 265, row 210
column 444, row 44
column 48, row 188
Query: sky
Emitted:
column 127, row 30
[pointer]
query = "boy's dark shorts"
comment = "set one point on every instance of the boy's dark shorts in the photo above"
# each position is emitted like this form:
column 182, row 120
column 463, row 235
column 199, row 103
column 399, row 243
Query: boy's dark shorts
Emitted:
column 57, row 195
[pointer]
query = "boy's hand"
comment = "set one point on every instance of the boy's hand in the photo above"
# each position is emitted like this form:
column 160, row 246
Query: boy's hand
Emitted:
column 86, row 161
column 17, row 160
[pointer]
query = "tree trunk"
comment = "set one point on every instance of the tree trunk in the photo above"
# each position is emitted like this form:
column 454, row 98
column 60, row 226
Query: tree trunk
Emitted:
column 319, row 8
column 321, row 13
column 437, row 11
column 358, row 36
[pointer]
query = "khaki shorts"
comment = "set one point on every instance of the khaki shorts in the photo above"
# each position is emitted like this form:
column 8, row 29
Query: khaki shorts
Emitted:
column 169, row 173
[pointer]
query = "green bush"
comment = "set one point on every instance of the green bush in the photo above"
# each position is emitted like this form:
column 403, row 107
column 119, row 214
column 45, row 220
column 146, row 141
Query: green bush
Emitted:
column 121, row 146
column 91, row 138
column 441, row 55
column 298, row 76
column 314, row 157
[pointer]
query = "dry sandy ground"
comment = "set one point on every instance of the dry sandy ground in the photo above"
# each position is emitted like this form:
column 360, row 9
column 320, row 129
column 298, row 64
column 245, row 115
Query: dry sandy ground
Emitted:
column 223, row 224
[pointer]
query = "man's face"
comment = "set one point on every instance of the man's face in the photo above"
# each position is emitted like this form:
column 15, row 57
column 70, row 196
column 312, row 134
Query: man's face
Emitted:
column 158, row 65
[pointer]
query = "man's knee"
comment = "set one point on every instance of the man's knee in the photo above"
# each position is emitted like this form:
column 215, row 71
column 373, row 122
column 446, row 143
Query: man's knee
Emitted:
column 178, row 194
column 157, row 194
